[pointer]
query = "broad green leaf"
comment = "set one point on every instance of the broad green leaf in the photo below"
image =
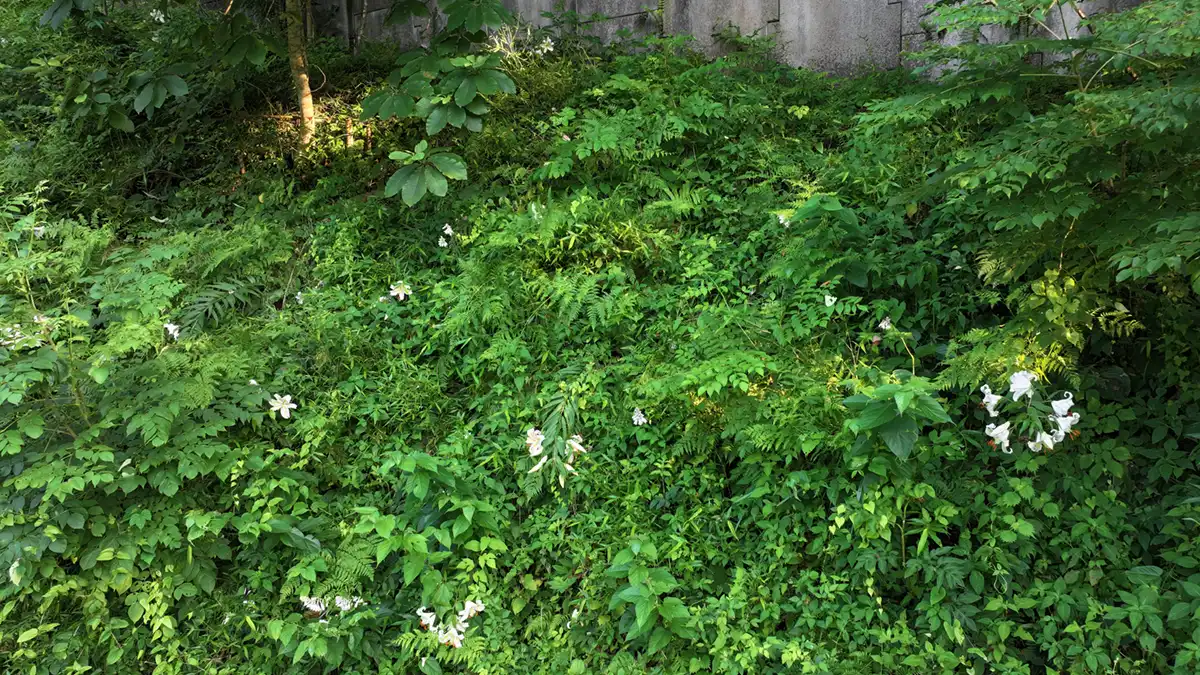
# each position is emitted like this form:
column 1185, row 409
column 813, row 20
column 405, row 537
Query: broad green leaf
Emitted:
column 435, row 181
column 32, row 425
column 413, row 190
column 121, row 122
column 257, row 53
column 876, row 414
column 452, row 166
column 658, row 639
column 175, row 85
column 396, row 183
column 900, row 435
column 144, row 97
column 437, row 120
column 673, row 608
column 465, row 92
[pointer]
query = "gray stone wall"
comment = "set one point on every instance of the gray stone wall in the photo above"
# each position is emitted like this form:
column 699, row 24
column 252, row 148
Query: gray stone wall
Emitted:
column 839, row 36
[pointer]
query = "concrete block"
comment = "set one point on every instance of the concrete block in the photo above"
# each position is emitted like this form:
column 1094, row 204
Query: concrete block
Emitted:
column 530, row 11
column 642, row 23
column 840, row 36
column 612, row 8
column 703, row 19
column 912, row 13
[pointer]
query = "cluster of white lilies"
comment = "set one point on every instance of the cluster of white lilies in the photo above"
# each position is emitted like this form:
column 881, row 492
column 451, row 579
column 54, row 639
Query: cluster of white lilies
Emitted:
column 1021, row 385
column 318, row 607
column 451, row 635
column 534, row 440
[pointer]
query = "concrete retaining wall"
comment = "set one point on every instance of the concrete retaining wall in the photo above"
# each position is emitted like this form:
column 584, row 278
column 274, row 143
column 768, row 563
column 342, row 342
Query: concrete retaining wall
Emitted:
column 838, row 36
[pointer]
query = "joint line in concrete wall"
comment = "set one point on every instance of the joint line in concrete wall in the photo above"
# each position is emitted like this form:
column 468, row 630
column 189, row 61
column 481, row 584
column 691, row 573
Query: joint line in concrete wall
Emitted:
column 614, row 18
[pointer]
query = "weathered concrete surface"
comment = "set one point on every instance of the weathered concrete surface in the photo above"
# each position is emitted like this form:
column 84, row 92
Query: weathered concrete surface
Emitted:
column 705, row 19
column 840, row 36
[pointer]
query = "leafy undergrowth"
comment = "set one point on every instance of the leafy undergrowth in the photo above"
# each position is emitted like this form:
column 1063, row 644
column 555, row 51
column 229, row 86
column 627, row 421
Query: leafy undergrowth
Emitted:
column 684, row 378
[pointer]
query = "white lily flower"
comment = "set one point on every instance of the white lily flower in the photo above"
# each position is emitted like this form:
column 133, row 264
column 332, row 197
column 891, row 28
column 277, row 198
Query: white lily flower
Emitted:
column 538, row 467
column 400, row 291
column 830, row 301
column 299, row 298
column 1044, row 441
column 1065, row 422
column 451, row 637
column 311, row 604
column 172, row 330
column 283, row 405
column 1062, row 407
column 470, row 610
column 428, row 619
column 157, row 16
column 1021, row 383
column 886, row 324
column 347, row 604
column 639, row 418
column 990, row 400
column 447, row 230
column 575, row 443
column 533, row 440
column 999, row 435
column 253, row 383
column 442, row 243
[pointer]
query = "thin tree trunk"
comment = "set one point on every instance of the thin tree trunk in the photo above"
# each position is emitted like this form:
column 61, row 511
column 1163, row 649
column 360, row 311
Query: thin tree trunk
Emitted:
column 346, row 28
column 297, row 58
column 362, row 20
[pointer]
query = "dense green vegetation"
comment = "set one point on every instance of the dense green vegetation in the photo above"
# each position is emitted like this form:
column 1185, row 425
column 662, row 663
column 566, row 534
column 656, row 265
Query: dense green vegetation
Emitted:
column 672, row 364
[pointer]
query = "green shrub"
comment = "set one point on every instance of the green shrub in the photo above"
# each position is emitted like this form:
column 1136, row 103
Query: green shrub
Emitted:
column 684, row 377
